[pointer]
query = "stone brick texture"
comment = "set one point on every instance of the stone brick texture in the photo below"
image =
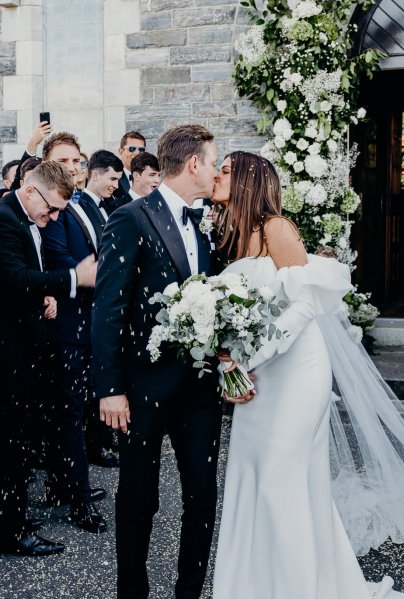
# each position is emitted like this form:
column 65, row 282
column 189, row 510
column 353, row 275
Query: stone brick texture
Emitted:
column 8, row 119
column 196, row 84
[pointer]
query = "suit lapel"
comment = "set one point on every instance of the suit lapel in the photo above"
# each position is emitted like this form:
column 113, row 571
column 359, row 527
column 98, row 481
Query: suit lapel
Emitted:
column 82, row 225
column 204, row 251
column 124, row 183
column 14, row 204
column 163, row 221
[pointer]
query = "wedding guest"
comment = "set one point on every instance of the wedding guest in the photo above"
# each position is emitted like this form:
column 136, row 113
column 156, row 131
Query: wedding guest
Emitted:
column 132, row 144
column 40, row 132
column 82, row 177
column 8, row 173
column 26, row 304
column 67, row 241
column 28, row 166
column 145, row 175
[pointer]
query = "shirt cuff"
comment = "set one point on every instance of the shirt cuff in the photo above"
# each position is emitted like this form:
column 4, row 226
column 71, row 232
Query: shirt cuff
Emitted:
column 73, row 287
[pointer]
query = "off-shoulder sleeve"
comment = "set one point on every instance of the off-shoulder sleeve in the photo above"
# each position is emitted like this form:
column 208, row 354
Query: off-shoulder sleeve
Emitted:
column 313, row 289
column 328, row 279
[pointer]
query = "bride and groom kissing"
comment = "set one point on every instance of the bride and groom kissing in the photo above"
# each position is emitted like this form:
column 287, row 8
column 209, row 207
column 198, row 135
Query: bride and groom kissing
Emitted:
column 280, row 535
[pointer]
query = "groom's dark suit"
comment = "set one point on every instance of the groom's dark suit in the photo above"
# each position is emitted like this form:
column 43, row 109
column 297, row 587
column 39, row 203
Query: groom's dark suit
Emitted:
column 142, row 251
column 23, row 354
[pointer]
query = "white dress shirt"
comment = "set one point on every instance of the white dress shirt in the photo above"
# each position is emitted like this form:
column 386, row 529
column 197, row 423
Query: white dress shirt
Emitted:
column 85, row 218
column 134, row 195
column 176, row 205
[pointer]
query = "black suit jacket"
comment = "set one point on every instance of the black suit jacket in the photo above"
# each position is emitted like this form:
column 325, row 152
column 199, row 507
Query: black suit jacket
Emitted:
column 121, row 196
column 23, row 328
column 141, row 252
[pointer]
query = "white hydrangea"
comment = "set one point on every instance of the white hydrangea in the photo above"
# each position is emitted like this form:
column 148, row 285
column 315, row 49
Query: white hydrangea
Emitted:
column 292, row 4
column 302, row 144
column 281, row 105
column 306, row 9
column 355, row 333
column 267, row 293
column 251, row 45
column 283, row 128
column 316, row 195
column 171, row 289
column 315, row 166
column 298, row 166
column 361, row 113
column 303, row 186
column 290, row 158
column 314, row 149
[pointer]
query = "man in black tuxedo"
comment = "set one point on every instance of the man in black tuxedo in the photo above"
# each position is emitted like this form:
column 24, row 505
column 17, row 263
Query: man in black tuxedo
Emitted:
column 145, row 172
column 73, row 237
column 146, row 245
column 25, row 303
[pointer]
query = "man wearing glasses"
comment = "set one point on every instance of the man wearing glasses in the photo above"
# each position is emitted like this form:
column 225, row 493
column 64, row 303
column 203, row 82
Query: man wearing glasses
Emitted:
column 132, row 144
column 26, row 304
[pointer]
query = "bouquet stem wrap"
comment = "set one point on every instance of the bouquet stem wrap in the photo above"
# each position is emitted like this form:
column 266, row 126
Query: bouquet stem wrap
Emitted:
column 236, row 382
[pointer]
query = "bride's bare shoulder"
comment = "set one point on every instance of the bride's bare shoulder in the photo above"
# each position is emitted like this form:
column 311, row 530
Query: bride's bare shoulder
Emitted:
column 284, row 243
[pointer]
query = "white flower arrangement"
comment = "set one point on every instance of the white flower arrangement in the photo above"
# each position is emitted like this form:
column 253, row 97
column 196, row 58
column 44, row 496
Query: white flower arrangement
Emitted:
column 206, row 224
column 209, row 315
column 315, row 166
column 251, row 45
column 306, row 9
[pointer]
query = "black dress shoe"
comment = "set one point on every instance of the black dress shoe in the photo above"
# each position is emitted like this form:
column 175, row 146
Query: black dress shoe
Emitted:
column 32, row 545
column 103, row 457
column 54, row 498
column 86, row 516
column 32, row 524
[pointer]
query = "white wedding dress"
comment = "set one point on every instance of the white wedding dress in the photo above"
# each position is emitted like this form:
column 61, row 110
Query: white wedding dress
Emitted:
column 281, row 536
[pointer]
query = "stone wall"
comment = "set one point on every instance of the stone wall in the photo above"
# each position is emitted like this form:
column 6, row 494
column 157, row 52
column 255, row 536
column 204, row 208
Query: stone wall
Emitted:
column 184, row 51
column 165, row 62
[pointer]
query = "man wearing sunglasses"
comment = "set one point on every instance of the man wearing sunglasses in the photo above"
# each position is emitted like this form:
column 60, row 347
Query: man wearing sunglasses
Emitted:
column 26, row 305
column 132, row 144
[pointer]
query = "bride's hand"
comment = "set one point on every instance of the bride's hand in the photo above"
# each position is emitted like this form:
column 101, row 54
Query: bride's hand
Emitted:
column 241, row 398
column 225, row 358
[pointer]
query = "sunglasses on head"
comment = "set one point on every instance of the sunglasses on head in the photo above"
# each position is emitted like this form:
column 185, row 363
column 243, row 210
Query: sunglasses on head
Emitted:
column 52, row 209
column 134, row 148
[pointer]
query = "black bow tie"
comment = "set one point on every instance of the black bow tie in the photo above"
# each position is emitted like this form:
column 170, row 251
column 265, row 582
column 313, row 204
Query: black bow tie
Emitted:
column 102, row 204
column 193, row 214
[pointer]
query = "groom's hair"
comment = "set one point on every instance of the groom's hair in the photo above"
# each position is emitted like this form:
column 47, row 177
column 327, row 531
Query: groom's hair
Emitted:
column 178, row 144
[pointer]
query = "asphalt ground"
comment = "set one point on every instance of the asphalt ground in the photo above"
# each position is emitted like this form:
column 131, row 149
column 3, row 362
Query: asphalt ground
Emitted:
column 86, row 569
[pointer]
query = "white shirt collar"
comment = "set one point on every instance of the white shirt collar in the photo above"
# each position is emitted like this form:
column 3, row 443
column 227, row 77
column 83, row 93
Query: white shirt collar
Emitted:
column 174, row 201
column 23, row 207
column 133, row 194
column 92, row 195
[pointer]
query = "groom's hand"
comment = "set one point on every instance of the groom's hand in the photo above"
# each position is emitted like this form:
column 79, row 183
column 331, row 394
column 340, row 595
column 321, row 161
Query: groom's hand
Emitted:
column 114, row 411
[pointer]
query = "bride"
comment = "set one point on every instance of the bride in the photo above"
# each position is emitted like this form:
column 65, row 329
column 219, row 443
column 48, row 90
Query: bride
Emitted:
column 292, row 490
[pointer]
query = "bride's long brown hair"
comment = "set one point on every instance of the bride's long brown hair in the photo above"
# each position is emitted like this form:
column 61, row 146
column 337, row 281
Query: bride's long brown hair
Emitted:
column 255, row 197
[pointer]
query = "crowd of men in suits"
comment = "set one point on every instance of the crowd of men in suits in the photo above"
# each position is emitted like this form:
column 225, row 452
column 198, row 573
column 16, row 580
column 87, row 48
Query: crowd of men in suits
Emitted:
column 53, row 211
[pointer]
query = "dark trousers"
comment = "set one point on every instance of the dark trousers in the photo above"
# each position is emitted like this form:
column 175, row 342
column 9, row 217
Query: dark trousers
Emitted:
column 195, row 435
column 16, row 411
column 66, row 454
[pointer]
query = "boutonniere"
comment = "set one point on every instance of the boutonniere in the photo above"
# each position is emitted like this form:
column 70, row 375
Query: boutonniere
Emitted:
column 206, row 224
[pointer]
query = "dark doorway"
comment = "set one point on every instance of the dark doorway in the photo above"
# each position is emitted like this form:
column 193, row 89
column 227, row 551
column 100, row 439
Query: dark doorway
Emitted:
column 379, row 232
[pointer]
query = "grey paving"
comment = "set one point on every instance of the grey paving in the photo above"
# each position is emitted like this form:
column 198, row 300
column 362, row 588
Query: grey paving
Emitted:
column 86, row 570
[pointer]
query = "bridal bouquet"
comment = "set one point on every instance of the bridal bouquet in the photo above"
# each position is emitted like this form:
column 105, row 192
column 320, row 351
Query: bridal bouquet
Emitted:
column 210, row 315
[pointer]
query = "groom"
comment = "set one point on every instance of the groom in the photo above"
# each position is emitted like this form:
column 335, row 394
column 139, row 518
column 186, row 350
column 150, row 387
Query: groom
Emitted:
column 146, row 245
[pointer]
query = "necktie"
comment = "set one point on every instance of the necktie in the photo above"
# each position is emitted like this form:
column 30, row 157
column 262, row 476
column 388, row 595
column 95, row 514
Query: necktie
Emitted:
column 193, row 214
column 76, row 196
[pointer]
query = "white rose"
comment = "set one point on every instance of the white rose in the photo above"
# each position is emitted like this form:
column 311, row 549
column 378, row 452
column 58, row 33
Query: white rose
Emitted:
column 332, row 146
column 315, row 166
column 302, row 144
column 361, row 113
column 281, row 105
column 266, row 293
column 279, row 142
column 325, row 106
column 314, row 149
column 230, row 279
column 290, row 157
column 296, row 78
column 298, row 166
column 171, row 289
column 196, row 289
column 282, row 128
column 240, row 291
column 316, row 195
column 286, row 85
column 203, row 314
column 306, row 9
column 311, row 132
